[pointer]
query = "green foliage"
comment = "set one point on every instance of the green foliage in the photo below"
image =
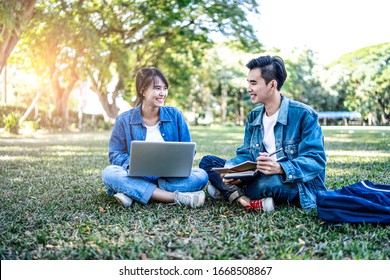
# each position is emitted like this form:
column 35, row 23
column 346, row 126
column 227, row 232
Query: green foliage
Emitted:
column 43, row 120
column 304, row 84
column 363, row 81
column 6, row 110
column 11, row 16
column 217, row 87
column 108, row 42
column 11, row 122
column 95, row 123
column 31, row 125
column 53, row 206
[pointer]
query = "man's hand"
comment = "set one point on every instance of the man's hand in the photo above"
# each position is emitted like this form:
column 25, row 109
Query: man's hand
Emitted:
column 268, row 165
column 230, row 182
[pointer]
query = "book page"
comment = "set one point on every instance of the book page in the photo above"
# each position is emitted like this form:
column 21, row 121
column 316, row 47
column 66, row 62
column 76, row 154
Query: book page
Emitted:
column 245, row 166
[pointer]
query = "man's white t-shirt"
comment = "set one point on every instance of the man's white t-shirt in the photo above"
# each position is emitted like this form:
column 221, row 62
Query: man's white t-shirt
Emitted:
column 153, row 133
column 269, row 135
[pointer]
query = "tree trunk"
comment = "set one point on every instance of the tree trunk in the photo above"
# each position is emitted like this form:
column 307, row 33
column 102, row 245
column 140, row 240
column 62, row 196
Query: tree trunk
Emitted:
column 224, row 96
column 9, row 38
column 195, row 110
column 110, row 108
column 242, row 113
column 385, row 111
column 61, row 98
column 31, row 107
column 5, row 85
column 7, row 45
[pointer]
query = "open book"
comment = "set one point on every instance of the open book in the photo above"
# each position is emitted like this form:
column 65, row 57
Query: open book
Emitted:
column 242, row 170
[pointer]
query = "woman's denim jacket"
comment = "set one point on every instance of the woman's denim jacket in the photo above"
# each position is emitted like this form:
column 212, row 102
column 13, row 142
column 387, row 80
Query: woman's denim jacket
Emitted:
column 297, row 130
column 129, row 126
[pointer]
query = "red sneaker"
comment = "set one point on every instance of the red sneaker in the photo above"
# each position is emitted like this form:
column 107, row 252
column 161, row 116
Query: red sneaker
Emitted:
column 266, row 204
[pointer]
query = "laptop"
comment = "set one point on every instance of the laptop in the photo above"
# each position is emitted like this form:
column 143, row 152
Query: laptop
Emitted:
column 163, row 159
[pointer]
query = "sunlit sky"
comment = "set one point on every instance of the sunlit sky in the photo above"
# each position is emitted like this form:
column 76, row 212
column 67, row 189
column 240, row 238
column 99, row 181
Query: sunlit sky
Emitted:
column 329, row 27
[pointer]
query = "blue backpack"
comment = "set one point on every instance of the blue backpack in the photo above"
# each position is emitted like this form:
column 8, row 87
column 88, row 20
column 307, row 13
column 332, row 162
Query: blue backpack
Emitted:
column 357, row 203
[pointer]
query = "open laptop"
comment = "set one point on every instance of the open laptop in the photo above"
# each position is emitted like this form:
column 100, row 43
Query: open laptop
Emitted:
column 163, row 159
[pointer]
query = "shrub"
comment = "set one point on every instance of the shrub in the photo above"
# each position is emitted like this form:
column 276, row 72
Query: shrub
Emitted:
column 11, row 122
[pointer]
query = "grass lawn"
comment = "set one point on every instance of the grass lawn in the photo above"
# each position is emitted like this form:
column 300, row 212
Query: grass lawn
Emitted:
column 53, row 205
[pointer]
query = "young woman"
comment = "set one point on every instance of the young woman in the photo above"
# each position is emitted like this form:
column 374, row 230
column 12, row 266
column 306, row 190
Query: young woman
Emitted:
column 150, row 121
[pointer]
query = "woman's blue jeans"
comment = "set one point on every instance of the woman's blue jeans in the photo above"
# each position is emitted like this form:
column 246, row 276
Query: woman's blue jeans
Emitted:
column 116, row 179
column 260, row 187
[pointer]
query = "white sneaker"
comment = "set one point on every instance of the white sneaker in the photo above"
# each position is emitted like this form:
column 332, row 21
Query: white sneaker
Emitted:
column 213, row 191
column 268, row 204
column 191, row 199
column 123, row 199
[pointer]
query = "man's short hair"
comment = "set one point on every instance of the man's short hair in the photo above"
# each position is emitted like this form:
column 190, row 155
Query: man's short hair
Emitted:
column 271, row 67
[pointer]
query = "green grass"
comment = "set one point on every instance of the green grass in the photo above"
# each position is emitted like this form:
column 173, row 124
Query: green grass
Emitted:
column 53, row 205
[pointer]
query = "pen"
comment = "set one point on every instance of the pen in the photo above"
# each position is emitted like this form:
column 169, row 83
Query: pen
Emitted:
column 271, row 154
column 277, row 151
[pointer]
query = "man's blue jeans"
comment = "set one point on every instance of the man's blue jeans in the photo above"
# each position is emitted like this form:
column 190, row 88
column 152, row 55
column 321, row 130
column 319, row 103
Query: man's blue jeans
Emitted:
column 141, row 188
column 260, row 187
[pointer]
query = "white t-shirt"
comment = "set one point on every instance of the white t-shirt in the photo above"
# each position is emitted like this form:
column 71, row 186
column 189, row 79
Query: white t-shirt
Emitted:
column 153, row 133
column 269, row 135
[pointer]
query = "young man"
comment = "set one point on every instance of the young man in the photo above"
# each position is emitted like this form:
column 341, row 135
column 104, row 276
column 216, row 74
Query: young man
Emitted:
column 295, row 173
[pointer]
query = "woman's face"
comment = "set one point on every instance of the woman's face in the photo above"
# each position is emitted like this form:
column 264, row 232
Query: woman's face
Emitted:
column 155, row 94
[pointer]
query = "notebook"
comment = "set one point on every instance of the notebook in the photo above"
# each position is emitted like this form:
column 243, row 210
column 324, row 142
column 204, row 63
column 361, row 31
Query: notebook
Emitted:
column 163, row 159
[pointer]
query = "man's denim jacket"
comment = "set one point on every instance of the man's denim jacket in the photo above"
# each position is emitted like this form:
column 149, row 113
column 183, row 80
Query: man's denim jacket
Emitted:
column 297, row 130
column 129, row 126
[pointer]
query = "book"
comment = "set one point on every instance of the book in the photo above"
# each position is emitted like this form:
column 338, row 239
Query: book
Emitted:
column 245, row 166
column 244, row 171
column 242, row 175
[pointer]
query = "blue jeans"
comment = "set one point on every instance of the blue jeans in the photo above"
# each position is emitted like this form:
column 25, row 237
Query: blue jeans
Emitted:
column 260, row 187
column 116, row 179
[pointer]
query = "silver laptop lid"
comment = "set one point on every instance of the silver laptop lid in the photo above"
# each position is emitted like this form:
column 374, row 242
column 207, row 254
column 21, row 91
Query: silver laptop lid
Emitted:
column 164, row 159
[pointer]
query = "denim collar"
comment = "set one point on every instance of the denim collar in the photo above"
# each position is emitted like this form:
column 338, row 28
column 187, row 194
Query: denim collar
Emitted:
column 137, row 116
column 283, row 113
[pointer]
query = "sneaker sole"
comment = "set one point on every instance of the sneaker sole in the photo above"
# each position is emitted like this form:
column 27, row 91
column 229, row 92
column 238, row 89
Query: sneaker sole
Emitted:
column 201, row 200
column 121, row 202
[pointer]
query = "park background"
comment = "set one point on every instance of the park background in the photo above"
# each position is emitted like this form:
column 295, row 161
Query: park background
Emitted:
column 71, row 64
column 59, row 55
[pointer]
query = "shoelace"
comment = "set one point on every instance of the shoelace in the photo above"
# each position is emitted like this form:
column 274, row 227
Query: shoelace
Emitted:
column 255, row 205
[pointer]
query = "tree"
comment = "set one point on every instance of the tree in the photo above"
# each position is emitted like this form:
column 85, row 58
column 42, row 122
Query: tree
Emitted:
column 364, row 82
column 304, row 84
column 218, row 86
column 54, row 54
column 14, row 16
column 108, row 41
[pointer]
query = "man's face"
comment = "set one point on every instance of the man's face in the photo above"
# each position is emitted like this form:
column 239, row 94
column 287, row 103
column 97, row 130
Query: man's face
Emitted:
column 259, row 91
